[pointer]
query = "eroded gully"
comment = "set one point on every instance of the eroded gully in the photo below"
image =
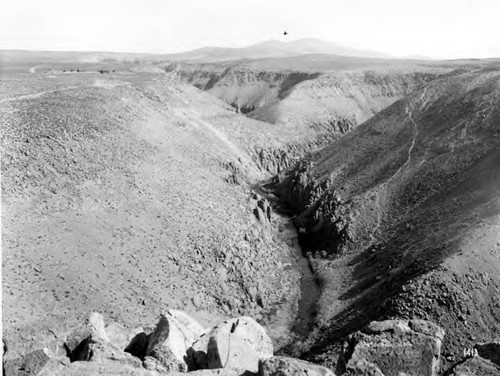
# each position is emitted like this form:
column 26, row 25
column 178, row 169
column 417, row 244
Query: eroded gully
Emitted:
column 294, row 322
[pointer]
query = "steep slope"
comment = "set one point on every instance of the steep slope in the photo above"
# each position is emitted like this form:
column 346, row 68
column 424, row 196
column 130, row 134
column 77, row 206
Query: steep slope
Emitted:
column 402, row 215
column 127, row 195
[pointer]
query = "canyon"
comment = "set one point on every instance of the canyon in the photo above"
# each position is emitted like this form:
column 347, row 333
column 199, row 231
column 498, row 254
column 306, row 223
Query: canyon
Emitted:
column 316, row 194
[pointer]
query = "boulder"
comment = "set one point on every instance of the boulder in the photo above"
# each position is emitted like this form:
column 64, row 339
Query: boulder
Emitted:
column 238, row 343
column 119, row 335
column 96, row 323
column 80, row 339
column 238, row 334
column 163, row 359
column 29, row 364
column 361, row 367
column 490, row 351
column 393, row 347
column 91, row 343
column 184, row 331
column 476, row 366
column 159, row 335
column 279, row 366
column 197, row 353
column 174, row 334
column 96, row 349
column 152, row 364
column 102, row 351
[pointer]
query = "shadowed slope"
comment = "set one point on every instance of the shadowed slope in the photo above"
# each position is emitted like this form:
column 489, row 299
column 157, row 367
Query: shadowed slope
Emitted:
column 398, row 205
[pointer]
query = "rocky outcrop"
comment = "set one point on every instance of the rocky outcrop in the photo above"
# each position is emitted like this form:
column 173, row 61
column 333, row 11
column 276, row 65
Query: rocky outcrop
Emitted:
column 260, row 207
column 279, row 366
column 279, row 160
column 393, row 347
column 323, row 217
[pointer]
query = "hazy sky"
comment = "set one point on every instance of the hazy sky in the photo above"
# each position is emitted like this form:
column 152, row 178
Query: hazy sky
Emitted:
column 434, row 28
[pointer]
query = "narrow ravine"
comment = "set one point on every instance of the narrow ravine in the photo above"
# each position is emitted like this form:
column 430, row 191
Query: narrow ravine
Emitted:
column 293, row 325
column 309, row 288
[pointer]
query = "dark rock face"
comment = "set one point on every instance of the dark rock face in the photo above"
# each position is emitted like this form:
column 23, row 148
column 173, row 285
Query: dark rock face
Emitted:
column 139, row 345
column 159, row 336
column 281, row 366
column 393, row 347
column 490, row 351
column 261, row 208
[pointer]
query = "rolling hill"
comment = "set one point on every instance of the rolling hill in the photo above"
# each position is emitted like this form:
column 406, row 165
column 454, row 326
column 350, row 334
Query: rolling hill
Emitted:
column 127, row 194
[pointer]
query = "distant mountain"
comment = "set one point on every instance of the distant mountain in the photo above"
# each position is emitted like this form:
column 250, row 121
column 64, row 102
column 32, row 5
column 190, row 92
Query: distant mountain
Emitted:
column 270, row 49
column 273, row 48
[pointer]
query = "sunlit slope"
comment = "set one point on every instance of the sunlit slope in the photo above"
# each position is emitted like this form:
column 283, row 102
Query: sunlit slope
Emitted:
column 126, row 195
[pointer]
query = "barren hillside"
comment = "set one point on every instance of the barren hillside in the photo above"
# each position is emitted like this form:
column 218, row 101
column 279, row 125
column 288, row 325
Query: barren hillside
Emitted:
column 402, row 215
column 126, row 194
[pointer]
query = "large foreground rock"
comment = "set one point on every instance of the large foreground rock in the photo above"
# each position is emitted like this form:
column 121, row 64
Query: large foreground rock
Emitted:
column 476, row 366
column 175, row 332
column 121, row 336
column 282, row 366
column 236, row 343
column 90, row 342
column 393, row 347
column 184, row 331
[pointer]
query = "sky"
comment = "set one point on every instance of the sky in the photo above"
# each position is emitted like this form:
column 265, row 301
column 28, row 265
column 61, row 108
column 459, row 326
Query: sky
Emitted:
column 431, row 28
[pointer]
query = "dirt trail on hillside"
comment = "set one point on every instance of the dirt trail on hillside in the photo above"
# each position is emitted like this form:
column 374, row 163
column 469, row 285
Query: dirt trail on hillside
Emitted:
column 382, row 188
